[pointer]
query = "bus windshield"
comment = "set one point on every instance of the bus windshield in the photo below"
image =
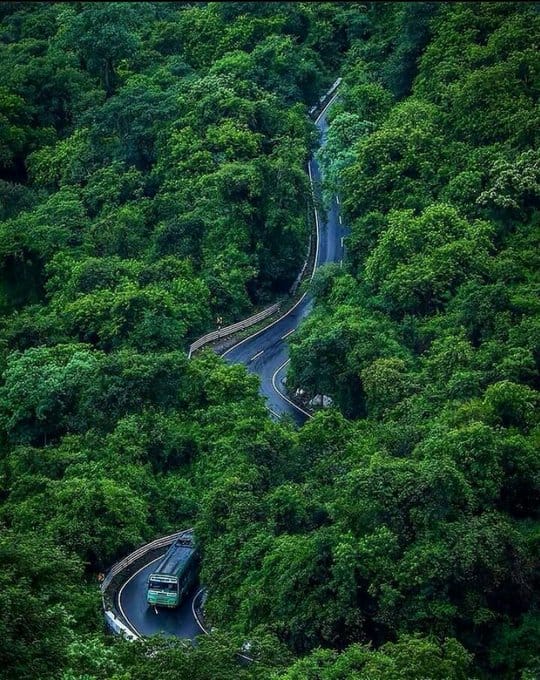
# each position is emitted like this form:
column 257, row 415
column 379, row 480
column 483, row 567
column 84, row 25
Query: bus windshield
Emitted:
column 161, row 585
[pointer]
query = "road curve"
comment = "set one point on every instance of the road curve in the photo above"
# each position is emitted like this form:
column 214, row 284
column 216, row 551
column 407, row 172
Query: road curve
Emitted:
column 266, row 353
column 145, row 620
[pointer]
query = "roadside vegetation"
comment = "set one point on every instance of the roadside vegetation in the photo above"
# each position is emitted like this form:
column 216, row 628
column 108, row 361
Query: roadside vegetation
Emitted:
column 152, row 179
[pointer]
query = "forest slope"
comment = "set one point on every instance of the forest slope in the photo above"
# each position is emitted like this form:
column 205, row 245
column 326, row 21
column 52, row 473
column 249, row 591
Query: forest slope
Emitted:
column 152, row 178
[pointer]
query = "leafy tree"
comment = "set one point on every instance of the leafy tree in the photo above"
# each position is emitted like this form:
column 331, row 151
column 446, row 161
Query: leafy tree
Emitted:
column 37, row 579
column 45, row 390
column 103, row 36
column 410, row 657
column 152, row 176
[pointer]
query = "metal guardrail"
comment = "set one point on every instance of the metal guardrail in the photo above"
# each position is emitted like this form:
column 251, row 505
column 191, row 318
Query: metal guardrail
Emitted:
column 111, row 616
column 324, row 98
column 229, row 330
column 132, row 557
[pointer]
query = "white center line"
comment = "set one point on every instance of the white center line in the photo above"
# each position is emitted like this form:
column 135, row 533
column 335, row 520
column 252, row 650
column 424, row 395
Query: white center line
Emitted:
column 337, row 199
column 342, row 244
column 288, row 333
column 257, row 355
column 340, row 219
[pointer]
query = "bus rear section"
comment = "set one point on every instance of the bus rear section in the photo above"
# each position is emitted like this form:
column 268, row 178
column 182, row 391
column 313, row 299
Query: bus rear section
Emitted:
column 175, row 574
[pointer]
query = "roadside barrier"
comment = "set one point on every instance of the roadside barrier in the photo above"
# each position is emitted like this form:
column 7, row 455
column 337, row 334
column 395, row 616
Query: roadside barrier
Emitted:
column 229, row 330
column 112, row 618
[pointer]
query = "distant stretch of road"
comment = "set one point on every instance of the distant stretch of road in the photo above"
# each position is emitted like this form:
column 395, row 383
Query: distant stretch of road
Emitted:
column 266, row 353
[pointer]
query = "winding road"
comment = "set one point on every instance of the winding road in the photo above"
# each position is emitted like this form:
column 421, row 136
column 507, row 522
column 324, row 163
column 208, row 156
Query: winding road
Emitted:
column 145, row 620
column 265, row 353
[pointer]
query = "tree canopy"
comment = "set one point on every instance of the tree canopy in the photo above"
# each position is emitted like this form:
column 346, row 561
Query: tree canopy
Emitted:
column 153, row 178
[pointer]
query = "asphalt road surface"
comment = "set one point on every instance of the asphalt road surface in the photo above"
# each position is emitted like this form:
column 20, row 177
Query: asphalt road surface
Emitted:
column 144, row 619
column 266, row 353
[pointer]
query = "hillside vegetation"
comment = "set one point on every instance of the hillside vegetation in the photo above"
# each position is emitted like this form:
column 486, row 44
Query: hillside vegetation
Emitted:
column 152, row 178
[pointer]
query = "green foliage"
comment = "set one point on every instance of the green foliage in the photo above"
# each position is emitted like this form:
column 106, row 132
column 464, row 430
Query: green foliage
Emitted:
column 124, row 141
column 416, row 517
column 103, row 36
column 152, row 177
column 410, row 658
column 418, row 263
column 37, row 580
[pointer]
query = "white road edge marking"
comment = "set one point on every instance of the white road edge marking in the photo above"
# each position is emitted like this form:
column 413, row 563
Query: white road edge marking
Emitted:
column 256, row 355
column 194, row 612
column 199, row 622
column 262, row 330
column 323, row 111
column 250, row 337
column 288, row 333
column 342, row 244
column 122, row 590
column 284, row 395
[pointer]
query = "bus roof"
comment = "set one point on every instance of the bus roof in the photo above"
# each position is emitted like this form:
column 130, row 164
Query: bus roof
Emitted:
column 176, row 557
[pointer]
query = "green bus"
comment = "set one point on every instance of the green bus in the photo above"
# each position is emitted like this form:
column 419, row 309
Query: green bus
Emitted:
column 175, row 575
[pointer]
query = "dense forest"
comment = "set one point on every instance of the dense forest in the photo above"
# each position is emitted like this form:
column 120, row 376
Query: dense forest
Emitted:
column 152, row 178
